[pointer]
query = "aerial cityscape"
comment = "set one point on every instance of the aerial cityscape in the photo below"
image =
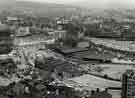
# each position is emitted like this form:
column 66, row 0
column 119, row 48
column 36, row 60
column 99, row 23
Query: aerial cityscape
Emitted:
column 67, row 49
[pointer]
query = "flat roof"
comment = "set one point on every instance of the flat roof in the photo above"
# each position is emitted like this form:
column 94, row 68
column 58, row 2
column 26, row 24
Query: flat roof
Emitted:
column 93, row 54
column 71, row 50
column 90, row 82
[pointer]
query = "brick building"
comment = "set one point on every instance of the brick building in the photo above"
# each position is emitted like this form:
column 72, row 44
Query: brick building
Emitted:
column 128, row 84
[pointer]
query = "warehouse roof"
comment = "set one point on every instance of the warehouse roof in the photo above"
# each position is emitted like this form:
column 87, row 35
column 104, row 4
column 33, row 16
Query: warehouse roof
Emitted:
column 85, row 82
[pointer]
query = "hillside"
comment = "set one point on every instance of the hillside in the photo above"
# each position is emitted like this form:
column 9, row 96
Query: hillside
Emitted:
column 105, row 4
column 52, row 9
column 47, row 9
column 6, row 4
column 35, row 8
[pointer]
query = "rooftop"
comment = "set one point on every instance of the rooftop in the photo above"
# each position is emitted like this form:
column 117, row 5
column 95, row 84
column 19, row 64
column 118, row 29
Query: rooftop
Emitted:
column 84, row 81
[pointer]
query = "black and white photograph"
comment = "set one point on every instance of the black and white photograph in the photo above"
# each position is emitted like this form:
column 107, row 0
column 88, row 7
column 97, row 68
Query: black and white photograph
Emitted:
column 67, row 48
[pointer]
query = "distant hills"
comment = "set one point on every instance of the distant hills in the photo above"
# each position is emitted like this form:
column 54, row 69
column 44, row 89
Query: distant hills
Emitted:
column 105, row 4
column 6, row 4
column 105, row 9
column 35, row 8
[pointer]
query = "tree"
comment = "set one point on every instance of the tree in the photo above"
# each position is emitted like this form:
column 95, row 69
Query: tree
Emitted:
column 70, row 42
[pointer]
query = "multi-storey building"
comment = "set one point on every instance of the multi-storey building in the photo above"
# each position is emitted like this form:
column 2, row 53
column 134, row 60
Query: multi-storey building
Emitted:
column 128, row 84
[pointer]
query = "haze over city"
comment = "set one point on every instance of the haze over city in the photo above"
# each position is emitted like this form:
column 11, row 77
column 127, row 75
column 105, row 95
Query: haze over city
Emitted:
column 92, row 3
column 67, row 48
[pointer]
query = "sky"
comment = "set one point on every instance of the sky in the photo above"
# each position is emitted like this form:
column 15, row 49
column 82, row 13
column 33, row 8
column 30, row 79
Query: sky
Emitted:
column 54, row 1
column 131, row 1
column 69, row 1
column 94, row 2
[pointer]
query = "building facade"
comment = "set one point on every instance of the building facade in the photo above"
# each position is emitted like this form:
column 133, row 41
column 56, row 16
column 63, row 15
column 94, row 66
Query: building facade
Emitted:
column 128, row 84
